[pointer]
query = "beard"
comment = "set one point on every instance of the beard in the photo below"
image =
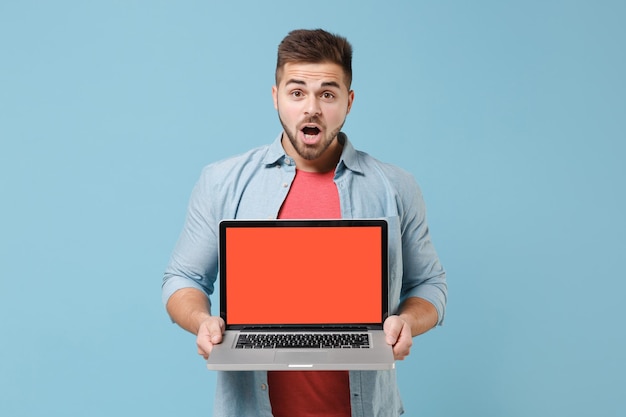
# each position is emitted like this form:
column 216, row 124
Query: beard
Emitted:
column 306, row 151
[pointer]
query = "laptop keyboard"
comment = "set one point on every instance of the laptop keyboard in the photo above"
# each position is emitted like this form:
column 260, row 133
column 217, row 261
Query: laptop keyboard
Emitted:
column 303, row 340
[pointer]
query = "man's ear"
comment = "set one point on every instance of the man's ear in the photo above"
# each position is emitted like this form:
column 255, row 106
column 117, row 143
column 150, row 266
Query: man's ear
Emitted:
column 275, row 96
column 350, row 100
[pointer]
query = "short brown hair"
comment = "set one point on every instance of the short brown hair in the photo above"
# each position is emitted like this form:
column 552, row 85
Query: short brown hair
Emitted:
column 315, row 46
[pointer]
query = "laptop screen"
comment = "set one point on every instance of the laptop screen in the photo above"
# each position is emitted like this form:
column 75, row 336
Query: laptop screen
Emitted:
column 296, row 273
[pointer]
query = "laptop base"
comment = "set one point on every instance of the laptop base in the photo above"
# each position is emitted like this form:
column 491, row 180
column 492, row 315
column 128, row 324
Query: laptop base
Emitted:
column 225, row 358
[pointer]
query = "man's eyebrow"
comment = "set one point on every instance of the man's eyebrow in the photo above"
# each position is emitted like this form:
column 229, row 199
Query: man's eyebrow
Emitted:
column 331, row 84
column 295, row 81
column 324, row 84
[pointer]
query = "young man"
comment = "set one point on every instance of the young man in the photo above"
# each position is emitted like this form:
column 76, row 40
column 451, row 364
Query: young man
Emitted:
column 310, row 171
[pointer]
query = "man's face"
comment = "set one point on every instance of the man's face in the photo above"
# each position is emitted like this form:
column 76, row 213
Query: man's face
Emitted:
column 312, row 102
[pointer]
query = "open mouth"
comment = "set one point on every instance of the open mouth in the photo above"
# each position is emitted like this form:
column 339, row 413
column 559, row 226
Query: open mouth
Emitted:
column 311, row 134
column 310, row 131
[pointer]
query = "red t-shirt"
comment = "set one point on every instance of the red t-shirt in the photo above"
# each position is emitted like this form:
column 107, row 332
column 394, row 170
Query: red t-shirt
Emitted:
column 310, row 393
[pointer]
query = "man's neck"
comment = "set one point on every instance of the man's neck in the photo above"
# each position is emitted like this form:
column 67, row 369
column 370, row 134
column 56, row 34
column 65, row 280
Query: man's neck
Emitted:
column 326, row 162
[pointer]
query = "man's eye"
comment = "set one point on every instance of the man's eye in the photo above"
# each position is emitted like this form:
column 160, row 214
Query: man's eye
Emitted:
column 328, row 96
column 296, row 94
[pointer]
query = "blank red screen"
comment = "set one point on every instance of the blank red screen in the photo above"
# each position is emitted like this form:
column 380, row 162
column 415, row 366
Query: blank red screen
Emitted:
column 303, row 275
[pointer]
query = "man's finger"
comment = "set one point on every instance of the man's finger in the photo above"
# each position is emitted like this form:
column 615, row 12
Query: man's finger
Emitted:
column 392, row 328
column 209, row 334
column 402, row 347
column 215, row 331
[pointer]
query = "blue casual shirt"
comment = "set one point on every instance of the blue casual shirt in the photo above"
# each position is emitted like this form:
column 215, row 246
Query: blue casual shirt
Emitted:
column 254, row 185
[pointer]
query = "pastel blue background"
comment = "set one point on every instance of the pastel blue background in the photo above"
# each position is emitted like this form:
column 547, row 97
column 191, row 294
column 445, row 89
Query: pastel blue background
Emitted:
column 509, row 113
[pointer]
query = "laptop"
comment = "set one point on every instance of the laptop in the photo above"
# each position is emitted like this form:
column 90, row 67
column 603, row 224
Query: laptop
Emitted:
column 303, row 295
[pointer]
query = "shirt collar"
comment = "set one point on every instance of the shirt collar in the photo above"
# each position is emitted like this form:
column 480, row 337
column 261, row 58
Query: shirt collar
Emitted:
column 349, row 157
column 275, row 153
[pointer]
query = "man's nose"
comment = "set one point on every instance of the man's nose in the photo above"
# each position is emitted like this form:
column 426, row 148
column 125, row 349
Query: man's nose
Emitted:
column 312, row 107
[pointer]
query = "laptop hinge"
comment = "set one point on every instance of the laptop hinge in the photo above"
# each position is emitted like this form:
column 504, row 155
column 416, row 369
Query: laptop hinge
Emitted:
column 303, row 328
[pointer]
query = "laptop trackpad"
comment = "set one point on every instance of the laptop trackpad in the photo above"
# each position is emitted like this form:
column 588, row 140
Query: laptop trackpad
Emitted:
column 303, row 358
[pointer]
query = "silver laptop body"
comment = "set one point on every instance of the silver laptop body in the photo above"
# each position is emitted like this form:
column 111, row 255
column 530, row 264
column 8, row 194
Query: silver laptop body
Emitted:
column 303, row 295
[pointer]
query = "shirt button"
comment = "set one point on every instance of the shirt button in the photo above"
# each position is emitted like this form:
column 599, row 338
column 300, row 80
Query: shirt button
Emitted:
column 285, row 185
column 263, row 387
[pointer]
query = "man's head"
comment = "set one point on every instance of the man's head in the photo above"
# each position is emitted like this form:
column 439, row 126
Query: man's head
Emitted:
column 313, row 96
column 314, row 47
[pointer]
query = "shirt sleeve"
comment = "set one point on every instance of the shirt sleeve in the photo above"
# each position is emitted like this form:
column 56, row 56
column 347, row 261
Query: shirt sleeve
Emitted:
column 194, row 261
column 423, row 274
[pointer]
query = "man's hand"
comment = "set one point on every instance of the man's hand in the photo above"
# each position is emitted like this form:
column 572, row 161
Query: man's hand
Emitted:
column 190, row 308
column 209, row 333
column 398, row 335
column 416, row 316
